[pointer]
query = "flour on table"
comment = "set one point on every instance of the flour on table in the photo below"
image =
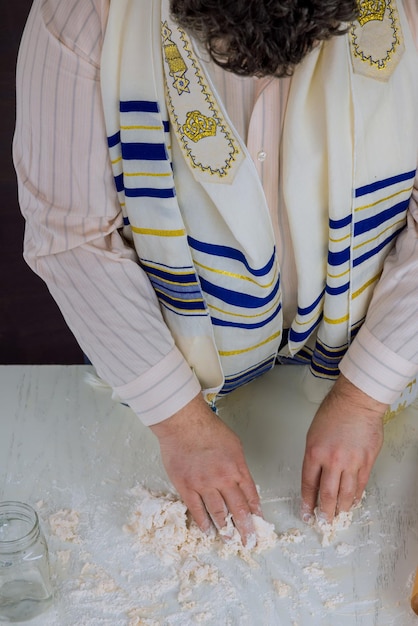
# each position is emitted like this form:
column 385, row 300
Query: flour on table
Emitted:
column 162, row 526
column 344, row 549
column 64, row 525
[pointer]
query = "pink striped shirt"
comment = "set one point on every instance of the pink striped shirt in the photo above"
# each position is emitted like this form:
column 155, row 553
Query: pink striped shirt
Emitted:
column 68, row 198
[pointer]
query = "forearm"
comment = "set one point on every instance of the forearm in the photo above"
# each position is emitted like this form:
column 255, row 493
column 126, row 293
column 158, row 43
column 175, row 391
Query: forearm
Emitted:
column 383, row 358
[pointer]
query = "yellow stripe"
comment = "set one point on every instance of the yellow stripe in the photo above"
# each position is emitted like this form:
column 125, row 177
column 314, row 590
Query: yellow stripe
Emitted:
column 368, row 206
column 215, row 308
column 141, row 127
column 341, row 239
column 116, row 160
column 158, row 233
column 340, row 320
column 338, row 275
column 379, row 234
column 238, row 276
column 258, row 345
column 369, row 282
column 313, row 318
column 145, row 174
column 172, row 282
column 157, row 267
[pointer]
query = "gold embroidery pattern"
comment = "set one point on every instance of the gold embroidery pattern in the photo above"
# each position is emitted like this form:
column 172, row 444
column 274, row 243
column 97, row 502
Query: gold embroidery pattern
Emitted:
column 233, row 147
column 198, row 126
column 366, row 13
column 175, row 61
column 371, row 10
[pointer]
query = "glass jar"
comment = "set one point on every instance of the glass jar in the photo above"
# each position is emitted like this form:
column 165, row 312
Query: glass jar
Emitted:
column 25, row 586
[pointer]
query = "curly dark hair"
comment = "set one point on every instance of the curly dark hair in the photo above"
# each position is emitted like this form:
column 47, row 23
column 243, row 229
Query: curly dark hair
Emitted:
column 262, row 37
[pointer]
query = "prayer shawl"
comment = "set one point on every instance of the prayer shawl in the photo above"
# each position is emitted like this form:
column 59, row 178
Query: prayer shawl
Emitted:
column 195, row 209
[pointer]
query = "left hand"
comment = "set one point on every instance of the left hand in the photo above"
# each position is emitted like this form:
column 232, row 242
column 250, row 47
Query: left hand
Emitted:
column 342, row 444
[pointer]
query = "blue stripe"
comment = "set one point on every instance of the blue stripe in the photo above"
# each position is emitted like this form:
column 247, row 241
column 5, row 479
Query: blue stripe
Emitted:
column 335, row 291
column 336, row 224
column 119, row 182
column 218, row 322
column 166, row 126
column 139, row 106
column 368, row 224
column 113, row 140
column 194, row 306
column 233, row 382
column 331, row 372
column 308, row 309
column 181, row 314
column 367, row 255
column 298, row 336
column 144, row 151
column 126, row 221
column 185, row 293
column 338, row 258
column 230, row 253
column 237, row 298
column 182, row 278
column 330, row 354
column 149, row 192
column 381, row 184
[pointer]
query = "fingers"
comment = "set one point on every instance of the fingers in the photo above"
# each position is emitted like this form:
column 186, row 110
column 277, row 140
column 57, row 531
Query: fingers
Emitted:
column 311, row 476
column 212, row 506
column 332, row 491
column 347, row 491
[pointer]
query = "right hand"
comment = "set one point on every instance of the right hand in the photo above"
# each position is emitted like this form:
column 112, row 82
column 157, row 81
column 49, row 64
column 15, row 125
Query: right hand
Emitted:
column 205, row 462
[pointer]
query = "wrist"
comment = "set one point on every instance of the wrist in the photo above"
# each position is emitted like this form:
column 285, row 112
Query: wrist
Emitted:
column 193, row 412
column 352, row 395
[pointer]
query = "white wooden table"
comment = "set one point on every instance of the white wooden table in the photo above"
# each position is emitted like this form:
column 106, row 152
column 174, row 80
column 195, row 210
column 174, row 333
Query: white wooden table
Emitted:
column 66, row 445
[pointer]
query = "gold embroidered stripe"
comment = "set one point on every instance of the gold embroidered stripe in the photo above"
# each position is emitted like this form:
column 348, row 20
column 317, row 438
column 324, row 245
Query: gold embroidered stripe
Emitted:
column 215, row 308
column 159, row 233
column 258, row 345
column 368, row 206
column 238, row 276
column 369, row 282
column 339, row 320
column 338, row 275
column 364, row 243
column 141, row 127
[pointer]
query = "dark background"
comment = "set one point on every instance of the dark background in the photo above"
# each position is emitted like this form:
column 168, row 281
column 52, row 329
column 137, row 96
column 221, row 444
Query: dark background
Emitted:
column 32, row 329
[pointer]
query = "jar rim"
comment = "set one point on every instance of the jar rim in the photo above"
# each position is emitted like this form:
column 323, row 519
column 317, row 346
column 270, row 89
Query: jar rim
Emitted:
column 25, row 513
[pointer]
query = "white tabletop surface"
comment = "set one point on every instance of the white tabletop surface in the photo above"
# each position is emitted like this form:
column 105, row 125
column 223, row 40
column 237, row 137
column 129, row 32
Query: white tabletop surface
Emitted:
column 66, row 445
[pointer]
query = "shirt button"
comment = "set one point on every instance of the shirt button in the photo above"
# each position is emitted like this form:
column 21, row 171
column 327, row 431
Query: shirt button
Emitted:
column 261, row 156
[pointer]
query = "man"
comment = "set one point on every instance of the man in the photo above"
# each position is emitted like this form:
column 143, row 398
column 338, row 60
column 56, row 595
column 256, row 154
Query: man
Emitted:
column 139, row 158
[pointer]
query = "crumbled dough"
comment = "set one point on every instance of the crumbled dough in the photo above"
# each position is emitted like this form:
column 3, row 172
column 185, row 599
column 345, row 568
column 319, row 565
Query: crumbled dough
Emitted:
column 283, row 590
column 161, row 525
column 331, row 603
column 328, row 530
column 293, row 535
column 64, row 525
column 97, row 580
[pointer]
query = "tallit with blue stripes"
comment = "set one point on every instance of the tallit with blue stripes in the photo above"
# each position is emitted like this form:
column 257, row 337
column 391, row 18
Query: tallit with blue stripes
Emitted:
column 195, row 209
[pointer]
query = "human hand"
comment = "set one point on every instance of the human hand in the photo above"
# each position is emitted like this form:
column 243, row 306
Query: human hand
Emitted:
column 205, row 462
column 342, row 444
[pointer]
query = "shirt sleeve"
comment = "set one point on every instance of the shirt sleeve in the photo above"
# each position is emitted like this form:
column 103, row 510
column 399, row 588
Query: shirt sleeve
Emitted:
column 383, row 358
column 73, row 219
